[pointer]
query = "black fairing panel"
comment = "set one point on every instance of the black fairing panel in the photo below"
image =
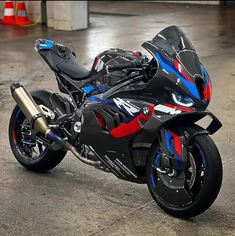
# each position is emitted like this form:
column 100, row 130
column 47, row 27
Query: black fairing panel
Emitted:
column 110, row 150
column 118, row 154
column 180, row 120
column 115, row 152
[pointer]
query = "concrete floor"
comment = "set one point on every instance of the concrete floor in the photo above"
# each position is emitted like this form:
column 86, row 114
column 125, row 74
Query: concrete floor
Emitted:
column 74, row 199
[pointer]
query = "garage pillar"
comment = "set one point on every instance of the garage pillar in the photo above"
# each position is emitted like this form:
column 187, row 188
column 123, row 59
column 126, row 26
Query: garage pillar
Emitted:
column 67, row 15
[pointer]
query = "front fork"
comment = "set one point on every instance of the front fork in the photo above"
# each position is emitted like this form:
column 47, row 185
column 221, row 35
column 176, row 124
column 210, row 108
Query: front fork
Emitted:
column 174, row 153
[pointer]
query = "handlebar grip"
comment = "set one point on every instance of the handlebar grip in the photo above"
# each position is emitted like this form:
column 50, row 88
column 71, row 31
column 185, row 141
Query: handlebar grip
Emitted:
column 133, row 64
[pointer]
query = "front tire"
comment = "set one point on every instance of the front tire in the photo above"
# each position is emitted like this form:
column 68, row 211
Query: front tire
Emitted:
column 24, row 150
column 208, row 177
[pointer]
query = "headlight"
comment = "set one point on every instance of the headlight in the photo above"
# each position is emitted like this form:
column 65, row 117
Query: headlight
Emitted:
column 181, row 100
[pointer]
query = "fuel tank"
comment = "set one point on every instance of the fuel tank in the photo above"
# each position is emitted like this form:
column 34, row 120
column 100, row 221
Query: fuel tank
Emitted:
column 102, row 79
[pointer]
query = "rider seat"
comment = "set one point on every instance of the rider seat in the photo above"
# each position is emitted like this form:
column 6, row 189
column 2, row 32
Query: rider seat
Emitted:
column 61, row 59
column 73, row 70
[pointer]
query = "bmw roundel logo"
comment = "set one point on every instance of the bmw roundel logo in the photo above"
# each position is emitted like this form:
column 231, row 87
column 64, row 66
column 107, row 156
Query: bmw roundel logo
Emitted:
column 146, row 111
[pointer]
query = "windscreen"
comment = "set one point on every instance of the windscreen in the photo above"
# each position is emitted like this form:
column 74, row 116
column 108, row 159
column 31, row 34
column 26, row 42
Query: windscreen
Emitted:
column 172, row 40
column 174, row 43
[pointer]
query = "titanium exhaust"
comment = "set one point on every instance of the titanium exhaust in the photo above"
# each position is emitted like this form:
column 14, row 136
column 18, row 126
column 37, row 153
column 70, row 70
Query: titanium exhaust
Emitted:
column 33, row 112
column 29, row 107
column 38, row 122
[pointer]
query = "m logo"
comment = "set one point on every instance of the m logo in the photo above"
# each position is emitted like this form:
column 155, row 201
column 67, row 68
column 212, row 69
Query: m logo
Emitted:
column 129, row 107
column 166, row 109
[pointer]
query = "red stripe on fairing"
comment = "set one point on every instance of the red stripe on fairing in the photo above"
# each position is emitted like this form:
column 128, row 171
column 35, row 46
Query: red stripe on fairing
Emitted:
column 100, row 120
column 207, row 92
column 95, row 62
column 177, row 143
column 179, row 68
column 179, row 108
column 136, row 54
column 133, row 126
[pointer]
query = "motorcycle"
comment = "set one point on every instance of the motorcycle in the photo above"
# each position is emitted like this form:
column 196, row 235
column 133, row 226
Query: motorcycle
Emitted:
column 130, row 115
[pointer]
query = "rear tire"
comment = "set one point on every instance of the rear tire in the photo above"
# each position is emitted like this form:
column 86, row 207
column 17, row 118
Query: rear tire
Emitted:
column 212, row 178
column 47, row 159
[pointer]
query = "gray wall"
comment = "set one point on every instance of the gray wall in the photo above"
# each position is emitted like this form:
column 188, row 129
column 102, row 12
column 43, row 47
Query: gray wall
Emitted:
column 193, row 2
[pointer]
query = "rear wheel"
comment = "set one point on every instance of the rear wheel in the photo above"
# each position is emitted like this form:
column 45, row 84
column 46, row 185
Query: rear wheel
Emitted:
column 202, row 179
column 28, row 152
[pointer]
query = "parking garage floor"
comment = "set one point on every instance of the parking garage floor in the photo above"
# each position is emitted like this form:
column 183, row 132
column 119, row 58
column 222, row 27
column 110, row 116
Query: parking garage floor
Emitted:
column 75, row 199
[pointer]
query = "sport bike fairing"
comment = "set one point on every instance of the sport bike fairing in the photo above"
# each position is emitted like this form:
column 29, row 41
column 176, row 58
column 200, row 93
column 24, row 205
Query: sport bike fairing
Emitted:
column 113, row 121
column 132, row 112
column 178, row 61
column 112, row 127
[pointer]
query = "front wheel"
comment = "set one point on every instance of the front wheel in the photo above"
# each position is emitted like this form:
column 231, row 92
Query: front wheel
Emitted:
column 202, row 178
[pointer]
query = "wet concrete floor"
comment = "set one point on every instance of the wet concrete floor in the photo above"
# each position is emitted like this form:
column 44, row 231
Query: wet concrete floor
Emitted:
column 74, row 199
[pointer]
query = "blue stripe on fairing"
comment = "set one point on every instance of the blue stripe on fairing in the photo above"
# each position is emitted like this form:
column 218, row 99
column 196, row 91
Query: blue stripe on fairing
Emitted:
column 102, row 88
column 88, row 89
column 191, row 87
column 105, row 101
column 205, row 73
column 92, row 98
column 155, row 163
